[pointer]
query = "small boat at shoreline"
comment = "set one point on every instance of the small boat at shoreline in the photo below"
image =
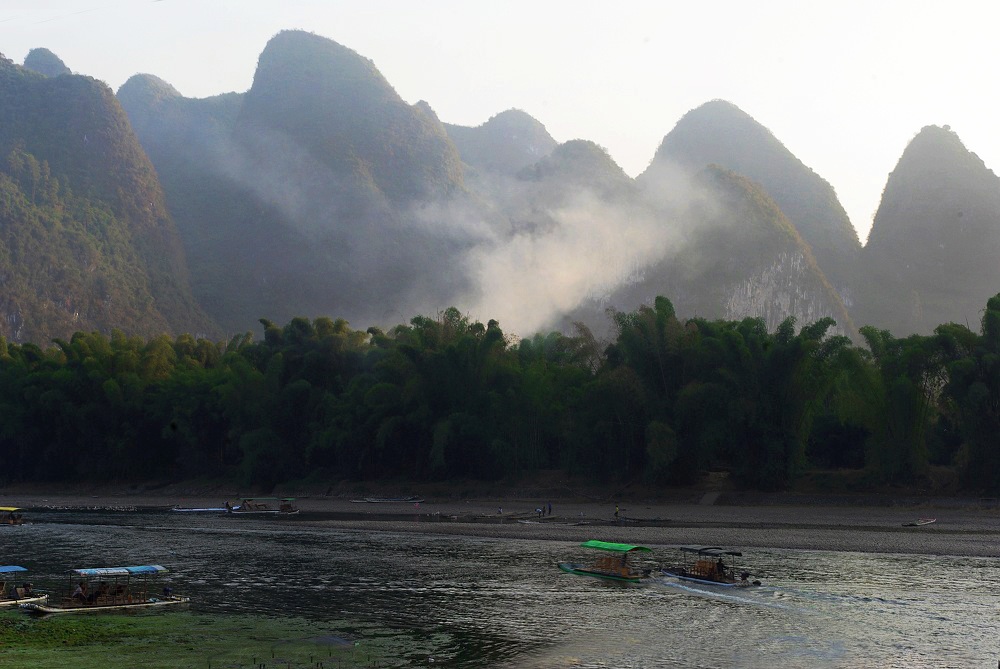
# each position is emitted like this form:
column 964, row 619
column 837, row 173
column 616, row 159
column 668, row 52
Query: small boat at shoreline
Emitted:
column 183, row 509
column 262, row 505
column 118, row 589
column 613, row 567
column 12, row 594
column 412, row 499
column 919, row 522
column 707, row 566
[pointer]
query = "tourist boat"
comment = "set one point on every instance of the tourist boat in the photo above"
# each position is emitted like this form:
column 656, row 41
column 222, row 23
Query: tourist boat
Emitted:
column 12, row 594
column 262, row 505
column 614, row 566
column 10, row 515
column 412, row 499
column 707, row 565
column 116, row 589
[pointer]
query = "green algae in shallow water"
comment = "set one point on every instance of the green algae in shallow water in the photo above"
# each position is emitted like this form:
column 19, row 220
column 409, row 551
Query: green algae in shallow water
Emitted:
column 183, row 639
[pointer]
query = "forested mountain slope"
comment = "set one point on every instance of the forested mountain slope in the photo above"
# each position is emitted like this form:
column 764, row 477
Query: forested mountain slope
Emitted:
column 86, row 241
column 736, row 254
column 317, row 191
column 933, row 255
column 720, row 133
column 505, row 144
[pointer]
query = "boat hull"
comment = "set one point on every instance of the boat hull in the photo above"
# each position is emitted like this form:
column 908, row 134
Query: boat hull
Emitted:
column 583, row 570
column 152, row 603
column 220, row 509
column 23, row 600
column 705, row 581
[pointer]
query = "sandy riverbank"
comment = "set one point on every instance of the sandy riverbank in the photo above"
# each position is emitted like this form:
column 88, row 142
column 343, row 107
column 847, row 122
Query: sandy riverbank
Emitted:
column 962, row 527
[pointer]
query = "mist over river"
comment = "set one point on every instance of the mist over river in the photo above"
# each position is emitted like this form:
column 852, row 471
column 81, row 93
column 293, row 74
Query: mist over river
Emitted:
column 492, row 602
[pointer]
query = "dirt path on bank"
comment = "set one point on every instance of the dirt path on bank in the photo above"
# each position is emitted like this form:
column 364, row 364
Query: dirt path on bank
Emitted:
column 962, row 527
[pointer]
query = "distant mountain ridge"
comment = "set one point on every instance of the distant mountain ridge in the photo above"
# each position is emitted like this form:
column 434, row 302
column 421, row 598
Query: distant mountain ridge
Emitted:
column 506, row 143
column 45, row 62
column 319, row 191
column 365, row 129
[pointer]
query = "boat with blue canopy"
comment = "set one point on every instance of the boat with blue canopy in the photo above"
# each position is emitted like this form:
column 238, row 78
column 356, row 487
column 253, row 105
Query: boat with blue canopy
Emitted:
column 13, row 592
column 111, row 589
column 708, row 565
column 613, row 565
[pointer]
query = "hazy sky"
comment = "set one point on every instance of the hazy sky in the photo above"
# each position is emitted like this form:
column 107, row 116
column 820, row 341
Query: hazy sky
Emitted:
column 844, row 85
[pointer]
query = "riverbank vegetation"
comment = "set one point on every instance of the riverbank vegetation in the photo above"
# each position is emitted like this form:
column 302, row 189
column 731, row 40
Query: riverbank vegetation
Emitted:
column 443, row 398
column 188, row 640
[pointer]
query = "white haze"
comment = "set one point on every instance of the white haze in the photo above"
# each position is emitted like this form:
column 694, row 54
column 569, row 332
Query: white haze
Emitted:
column 528, row 280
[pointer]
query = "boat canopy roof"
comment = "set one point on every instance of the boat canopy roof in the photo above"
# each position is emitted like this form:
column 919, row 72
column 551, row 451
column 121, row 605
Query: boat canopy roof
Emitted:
column 11, row 568
column 617, row 548
column 121, row 571
column 8, row 509
column 711, row 551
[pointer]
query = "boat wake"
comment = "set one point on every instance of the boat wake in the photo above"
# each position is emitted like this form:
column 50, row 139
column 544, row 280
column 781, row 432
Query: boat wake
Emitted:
column 754, row 598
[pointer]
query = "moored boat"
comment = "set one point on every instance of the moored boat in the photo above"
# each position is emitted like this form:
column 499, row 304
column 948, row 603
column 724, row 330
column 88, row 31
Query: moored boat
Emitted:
column 208, row 509
column 707, row 565
column 12, row 593
column 116, row 589
column 262, row 505
column 919, row 522
column 614, row 566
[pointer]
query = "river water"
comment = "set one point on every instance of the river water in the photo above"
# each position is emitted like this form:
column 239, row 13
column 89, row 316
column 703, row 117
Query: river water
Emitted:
column 474, row 603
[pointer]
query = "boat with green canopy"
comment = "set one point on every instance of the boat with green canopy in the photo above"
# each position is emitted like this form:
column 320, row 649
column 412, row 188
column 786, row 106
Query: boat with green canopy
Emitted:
column 613, row 565
column 13, row 593
column 117, row 589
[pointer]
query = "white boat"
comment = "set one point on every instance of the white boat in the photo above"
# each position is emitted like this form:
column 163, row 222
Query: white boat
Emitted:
column 13, row 594
column 920, row 522
column 116, row 589
column 211, row 509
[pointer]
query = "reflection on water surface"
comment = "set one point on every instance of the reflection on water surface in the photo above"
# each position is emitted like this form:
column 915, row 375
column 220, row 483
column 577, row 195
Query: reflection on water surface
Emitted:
column 503, row 603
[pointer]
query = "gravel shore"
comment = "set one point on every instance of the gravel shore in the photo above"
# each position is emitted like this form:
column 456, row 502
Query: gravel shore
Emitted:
column 961, row 527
